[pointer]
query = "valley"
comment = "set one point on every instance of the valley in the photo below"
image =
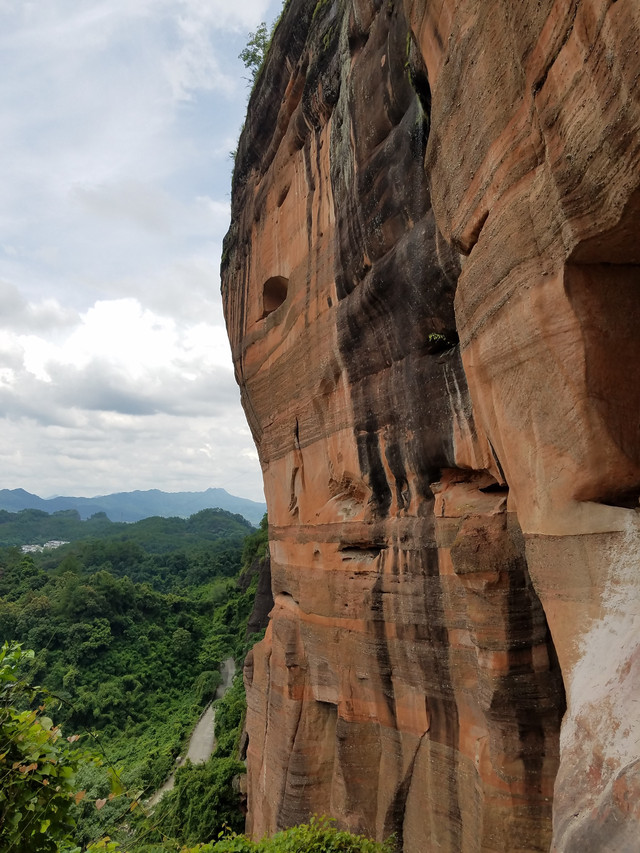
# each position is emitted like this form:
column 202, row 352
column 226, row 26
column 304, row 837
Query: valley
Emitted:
column 135, row 634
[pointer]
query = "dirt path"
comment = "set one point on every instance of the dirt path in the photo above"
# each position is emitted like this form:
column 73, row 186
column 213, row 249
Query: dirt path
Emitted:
column 203, row 739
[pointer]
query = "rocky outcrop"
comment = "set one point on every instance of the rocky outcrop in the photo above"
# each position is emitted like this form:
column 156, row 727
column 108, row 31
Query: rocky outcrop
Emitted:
column 430, row 289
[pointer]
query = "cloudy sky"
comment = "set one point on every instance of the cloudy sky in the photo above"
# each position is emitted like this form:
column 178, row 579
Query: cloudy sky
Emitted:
column 116, row 122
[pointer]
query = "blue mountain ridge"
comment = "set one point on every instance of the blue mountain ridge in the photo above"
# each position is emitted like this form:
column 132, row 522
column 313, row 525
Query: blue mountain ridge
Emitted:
column 134, row 506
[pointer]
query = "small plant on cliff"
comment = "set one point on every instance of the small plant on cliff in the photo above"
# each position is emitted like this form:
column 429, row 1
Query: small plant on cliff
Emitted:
column 319, row 7
column 437, row 342
column 437, row 338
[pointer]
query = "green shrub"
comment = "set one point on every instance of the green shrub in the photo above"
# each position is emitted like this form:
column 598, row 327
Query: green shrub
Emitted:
column 317, row 836
column 202, row 802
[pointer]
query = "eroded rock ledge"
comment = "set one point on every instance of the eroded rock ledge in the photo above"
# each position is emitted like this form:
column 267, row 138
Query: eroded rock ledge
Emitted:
column 431, row 289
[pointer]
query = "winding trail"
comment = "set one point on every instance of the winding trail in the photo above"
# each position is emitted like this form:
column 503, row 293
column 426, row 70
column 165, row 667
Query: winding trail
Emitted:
column 203, row 738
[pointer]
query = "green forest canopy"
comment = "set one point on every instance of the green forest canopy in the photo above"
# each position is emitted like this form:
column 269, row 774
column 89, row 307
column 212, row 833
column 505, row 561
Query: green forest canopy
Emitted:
column 129, row 627
column 129, row 631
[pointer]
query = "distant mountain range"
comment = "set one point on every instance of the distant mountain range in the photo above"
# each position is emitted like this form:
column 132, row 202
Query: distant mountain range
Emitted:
column 134, row 506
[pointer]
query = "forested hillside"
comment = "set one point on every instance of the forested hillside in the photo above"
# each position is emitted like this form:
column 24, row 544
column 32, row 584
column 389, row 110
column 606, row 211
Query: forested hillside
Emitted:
column 35, row 526
column 129, row 631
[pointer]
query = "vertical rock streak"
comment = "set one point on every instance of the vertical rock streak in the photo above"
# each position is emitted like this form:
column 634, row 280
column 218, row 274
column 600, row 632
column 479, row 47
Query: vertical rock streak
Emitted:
column 450, row 452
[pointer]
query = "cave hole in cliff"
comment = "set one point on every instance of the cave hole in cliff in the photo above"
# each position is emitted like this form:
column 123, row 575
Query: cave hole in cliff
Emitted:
column 274, row 293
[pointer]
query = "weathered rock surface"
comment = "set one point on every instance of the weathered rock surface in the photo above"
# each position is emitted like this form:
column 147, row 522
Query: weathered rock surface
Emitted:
column 430, row 285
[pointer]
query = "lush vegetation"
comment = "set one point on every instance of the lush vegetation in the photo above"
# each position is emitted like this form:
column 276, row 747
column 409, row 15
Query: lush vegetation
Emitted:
column 129, row 632
column 318, row 836
column 34, row 526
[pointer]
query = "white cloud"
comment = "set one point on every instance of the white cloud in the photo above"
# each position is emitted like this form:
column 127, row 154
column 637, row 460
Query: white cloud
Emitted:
column 19, row 315
column 195, row 67
column 102, row 453
column 136, row 343
column 116, row 119
column 117, row 377
column 127, row 200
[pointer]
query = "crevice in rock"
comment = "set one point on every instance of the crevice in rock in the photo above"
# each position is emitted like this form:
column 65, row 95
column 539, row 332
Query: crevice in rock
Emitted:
column 571, row 19
column 383, row 656
column 394, row 818
column 496, row 460
column 360, row 551
column 418, row 77
column 281, row 819
column 625, row 500
column 472, row 235
column 500, row 488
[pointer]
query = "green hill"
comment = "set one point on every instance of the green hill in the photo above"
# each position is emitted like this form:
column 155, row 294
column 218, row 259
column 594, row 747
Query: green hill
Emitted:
column 157, row 534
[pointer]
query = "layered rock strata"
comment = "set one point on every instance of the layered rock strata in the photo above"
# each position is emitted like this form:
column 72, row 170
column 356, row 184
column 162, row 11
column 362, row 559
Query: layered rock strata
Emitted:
column 430, row 286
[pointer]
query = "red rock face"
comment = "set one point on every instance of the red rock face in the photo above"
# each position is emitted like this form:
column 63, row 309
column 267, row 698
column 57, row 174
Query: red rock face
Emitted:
column 450, row 452
column 534, row 158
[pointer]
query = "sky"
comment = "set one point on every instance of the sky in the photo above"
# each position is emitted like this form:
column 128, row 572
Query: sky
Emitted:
column 117, row 119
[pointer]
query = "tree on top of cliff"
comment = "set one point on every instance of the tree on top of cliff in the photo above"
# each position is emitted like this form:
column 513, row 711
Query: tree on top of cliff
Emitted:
column 254, row 52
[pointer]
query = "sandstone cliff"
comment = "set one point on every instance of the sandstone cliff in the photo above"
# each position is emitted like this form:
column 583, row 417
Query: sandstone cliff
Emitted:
column 431, row 290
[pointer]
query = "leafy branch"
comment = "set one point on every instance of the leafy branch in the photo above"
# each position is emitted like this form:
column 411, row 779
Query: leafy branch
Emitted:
column 255, row 50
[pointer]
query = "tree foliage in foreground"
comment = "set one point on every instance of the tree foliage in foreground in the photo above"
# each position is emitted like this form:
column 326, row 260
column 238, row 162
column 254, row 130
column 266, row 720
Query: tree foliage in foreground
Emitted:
column 38, row 766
